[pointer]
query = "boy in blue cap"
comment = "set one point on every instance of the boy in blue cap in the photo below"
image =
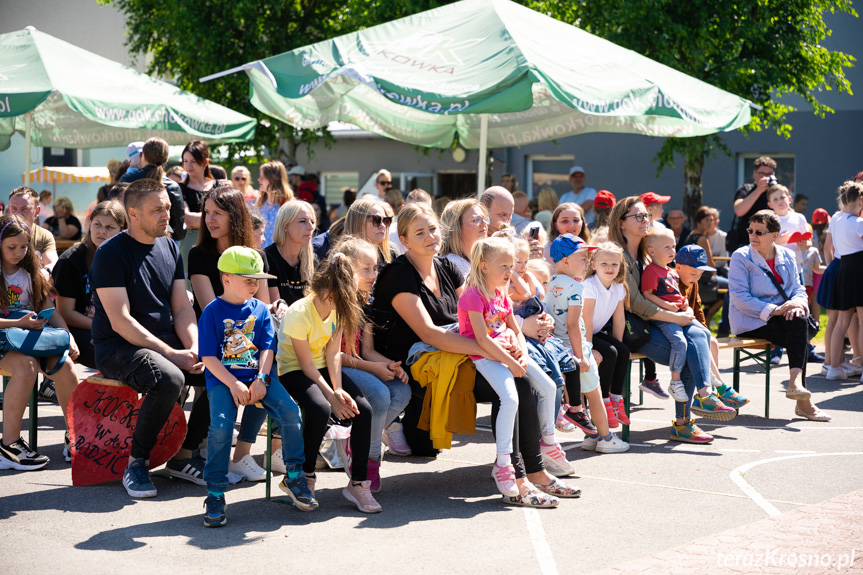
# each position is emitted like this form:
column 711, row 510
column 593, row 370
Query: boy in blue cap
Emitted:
column 236, row 343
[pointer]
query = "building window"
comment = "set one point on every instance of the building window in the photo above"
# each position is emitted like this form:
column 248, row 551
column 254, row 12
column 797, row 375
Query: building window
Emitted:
column 334, row 184
column 551, row 171
column 785, row 166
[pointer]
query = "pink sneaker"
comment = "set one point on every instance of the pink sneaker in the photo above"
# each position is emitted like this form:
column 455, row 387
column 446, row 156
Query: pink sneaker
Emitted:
column 554, row 459
column 504, row 477
column 620, row 411
column 563, row 424
column 374, row 475
column 609, row 413
column 361, row 496
column 394, row 439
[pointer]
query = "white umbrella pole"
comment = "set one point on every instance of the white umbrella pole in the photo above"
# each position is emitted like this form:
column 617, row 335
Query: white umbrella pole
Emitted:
column 483, row 154
column 27, row 120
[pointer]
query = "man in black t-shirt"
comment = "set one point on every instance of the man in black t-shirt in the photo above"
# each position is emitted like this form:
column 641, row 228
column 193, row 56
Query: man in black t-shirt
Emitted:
column 144, row 328
column 750, row 198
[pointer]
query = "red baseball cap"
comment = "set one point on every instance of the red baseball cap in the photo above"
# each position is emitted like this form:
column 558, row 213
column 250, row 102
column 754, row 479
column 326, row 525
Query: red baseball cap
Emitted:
column 604, row 199
column 799, row 237
column 820, row 216
column 858, row 177
column 654, row 198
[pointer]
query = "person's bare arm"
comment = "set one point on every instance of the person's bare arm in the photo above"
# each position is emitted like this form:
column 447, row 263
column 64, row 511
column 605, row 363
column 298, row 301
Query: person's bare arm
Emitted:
column 66, row 308
column 203, row 290
column 588, row 308
column 49, row 258
column 115, row 301
column 184, row 317
column 411, row 309
column 653, row 298
column 587, row 206
column 743, row 205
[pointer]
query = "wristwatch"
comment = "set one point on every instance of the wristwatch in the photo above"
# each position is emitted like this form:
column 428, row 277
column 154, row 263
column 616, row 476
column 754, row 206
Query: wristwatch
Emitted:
column 265, row 377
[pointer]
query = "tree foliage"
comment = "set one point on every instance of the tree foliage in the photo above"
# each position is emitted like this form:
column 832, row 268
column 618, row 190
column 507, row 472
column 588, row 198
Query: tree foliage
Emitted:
column 185, row 41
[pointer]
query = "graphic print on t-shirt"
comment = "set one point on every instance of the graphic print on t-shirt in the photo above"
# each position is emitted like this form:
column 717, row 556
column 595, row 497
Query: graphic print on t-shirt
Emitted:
column 238, row 351
column 14, row 296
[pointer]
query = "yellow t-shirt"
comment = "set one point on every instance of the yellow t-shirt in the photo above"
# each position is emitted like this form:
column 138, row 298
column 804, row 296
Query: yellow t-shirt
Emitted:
column 302, row 321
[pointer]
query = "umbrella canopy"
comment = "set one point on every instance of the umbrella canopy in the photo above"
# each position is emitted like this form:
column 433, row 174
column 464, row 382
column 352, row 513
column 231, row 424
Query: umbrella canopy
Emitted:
column 441, row 74
column 68, row 175
column 76, row 99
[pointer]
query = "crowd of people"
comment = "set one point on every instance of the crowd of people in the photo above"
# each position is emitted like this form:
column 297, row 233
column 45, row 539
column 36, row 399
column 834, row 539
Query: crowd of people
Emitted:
column 397, row 318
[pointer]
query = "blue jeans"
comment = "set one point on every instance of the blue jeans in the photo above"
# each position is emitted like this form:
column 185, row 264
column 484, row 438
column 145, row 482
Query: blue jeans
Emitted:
column 223, row 414
column 674, row 334
column 387, row 398
column 251, row 422
column 696, row 370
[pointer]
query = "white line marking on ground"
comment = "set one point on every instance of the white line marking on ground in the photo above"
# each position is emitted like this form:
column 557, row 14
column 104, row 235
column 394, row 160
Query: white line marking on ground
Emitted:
column 544, row 556
column 795, row 451
column 740, row 450
column 737, row 475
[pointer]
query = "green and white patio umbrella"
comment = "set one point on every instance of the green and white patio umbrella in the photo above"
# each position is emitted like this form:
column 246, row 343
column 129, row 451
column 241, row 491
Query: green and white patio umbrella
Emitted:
column 60, row 95
column 489, row 72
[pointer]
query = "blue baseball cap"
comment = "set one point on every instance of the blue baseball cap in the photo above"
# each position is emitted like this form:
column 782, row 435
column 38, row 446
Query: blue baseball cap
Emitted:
column 694, row 256
column 566, row 245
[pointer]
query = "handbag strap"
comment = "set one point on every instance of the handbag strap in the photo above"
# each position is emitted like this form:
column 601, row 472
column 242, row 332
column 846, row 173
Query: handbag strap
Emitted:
column 775, row 283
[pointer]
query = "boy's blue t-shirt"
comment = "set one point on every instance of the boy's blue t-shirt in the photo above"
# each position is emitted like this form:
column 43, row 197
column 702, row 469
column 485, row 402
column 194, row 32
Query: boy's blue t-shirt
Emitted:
column 235, row 334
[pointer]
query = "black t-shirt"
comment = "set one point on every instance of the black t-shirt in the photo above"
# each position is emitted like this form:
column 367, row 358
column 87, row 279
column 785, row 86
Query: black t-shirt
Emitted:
column 193, row 198
column 289, row 281
column 54, row 226
column 743, row 222
column 393, row 336
column 71, row 278
column 148, row 272
column 202, row 262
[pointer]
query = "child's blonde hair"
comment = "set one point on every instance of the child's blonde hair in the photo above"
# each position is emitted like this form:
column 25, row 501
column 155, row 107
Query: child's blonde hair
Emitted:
column 354, row 247
column 485, row 250
column 519, row 244
column 335, row 279
column 539, row 266
column 620, row 278
column 656, row 234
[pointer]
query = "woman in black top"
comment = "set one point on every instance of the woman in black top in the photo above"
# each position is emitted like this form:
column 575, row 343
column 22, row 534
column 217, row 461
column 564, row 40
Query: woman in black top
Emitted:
column 63, row 225
column 416, row 297
column 226, row 223
column 199, row 180
column 290, row 255
column 70, row 274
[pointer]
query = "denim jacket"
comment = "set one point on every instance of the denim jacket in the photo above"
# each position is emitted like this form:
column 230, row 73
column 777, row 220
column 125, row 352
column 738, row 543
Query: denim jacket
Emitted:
column 753, row 295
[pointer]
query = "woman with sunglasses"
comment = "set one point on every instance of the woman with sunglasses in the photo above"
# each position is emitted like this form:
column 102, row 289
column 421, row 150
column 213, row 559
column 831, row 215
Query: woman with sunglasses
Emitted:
column 241, row 179
column 383, row 183
column 759, row 310
column 627, row 227
column 368, row 219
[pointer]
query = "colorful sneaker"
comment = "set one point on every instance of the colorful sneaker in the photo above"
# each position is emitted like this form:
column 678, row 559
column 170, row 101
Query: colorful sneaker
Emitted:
column 136, row 479
column 394, row 438
column 580, row 420
column 620, row 411
column 67, row 448
column 563, row 424
column 712, row 407
column 504, row 477
column 590, row 441
column 613, row 444
column 298, row 490
column 733, row 399
column 609, row 413
column 18, row 455
column 277, row 462
column 554, row 459
column 191, row 469
column 248, row 468
column 533, row 498
column 343, row 448
column 374, row 475
column 214, row 516
column 652, row 386
column 361, row 496
column 689, row 433
column 677, row 391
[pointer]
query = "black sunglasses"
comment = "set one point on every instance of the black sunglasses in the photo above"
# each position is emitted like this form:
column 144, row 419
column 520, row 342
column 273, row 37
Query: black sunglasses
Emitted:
column 238, row 178
column 378, row 220
column 386, row 183
column 758, row 233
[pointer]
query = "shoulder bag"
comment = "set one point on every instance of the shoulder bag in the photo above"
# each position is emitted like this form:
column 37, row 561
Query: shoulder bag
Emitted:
column 814, row 325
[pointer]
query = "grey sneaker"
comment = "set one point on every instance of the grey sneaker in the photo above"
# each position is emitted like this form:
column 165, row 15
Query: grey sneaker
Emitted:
column 652, row 386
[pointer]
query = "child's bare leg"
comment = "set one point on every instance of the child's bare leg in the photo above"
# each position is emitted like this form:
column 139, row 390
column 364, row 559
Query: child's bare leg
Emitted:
column 600, row 419
column 65, row 381
column 23, row 369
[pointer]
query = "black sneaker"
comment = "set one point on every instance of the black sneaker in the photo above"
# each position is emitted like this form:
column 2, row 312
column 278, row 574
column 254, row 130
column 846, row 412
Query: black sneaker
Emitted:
column 214, row 516
column 136, row 479
column 18, row 455
column 67, row 448
column 190, row 469
column 47, row 392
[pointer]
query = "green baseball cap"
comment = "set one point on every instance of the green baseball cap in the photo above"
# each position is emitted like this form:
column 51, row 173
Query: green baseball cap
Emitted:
column 243, row 261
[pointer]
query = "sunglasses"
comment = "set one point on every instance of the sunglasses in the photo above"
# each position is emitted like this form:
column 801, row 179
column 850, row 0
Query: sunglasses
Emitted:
column 386, row 183
column 239, row 179
column 378, row 220
column 640, row 218
column 758, row 233
column 479, row 220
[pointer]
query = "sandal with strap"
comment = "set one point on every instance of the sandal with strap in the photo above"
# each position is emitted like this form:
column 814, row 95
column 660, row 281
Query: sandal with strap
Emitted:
column 817, row 415
column 559, row 489
column 533, row 498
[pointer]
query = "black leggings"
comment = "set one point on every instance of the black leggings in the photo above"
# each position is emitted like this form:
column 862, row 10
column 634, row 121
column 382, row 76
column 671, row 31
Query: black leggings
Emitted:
column 649, row 369
column 793, row 335
column 316, row 414
column 615, row 361
column 572, row 382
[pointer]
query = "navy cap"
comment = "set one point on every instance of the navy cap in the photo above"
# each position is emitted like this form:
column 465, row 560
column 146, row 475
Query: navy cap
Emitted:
column 694, row 256
column 566, row 245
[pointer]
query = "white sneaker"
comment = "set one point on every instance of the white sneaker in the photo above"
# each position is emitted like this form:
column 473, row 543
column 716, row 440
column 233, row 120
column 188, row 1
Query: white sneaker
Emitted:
column 838, row 373
column 589, row 443
column 235, row 437
column 277, row 462
column 851, row 369
column 824, row 368
column 714, row 381
column 613, row 445
column 677, row 391
column 248, row 469
column 554, row 459
column 394, row 438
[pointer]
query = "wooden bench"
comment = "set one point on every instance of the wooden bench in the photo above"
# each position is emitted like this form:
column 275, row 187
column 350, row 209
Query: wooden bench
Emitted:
column 755, row 349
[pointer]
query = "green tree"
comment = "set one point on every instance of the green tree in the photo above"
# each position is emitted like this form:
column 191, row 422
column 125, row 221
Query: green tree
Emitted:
column 761, row 50
column 188, row 40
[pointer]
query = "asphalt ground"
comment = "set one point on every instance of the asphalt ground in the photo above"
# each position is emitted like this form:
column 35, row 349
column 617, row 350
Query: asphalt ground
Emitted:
column 444, row 516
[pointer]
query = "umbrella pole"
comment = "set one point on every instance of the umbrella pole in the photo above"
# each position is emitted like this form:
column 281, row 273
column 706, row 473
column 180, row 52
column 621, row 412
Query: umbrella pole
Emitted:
column 483, row 154
column 27, row 120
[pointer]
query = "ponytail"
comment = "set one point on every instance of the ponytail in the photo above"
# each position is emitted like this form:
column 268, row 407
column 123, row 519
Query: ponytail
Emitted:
column 335, row 279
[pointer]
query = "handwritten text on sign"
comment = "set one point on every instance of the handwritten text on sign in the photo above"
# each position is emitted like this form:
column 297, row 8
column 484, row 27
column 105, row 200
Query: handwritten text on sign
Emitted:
column 102, row 419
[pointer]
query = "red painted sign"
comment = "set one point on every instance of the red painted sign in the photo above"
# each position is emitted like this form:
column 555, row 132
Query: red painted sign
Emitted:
column 102, row 418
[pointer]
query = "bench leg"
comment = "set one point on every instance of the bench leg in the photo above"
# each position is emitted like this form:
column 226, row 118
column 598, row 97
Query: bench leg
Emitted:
column 767, row 350
column 626, row 405
column 640, row 379
column 34, row 416
column 268, row 456
column 735, row 378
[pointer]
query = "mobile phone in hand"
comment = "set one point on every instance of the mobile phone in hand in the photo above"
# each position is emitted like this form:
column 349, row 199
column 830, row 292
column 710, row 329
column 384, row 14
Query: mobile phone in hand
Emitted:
column 45, row 313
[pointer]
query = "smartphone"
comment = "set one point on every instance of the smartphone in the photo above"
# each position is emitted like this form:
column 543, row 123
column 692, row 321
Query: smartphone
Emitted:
column 534, row 233
column 45, row 313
